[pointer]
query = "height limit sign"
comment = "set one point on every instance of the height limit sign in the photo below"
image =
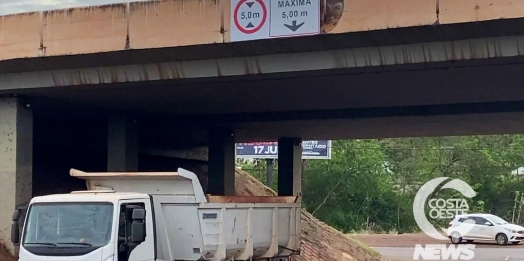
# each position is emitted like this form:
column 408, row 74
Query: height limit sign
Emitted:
column 262, row 19
column 249, row 20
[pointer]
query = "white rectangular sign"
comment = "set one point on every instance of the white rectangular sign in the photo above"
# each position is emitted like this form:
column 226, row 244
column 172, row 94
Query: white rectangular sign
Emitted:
column 262, row 19
column 294, row 18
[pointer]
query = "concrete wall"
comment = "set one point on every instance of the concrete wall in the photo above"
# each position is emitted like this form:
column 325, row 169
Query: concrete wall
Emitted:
column 51, row 167
column 52, row 164
column 157, row 24
column 16, row 155
column 64, row 143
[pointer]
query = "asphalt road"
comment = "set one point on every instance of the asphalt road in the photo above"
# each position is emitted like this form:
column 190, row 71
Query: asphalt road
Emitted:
column 481, row 254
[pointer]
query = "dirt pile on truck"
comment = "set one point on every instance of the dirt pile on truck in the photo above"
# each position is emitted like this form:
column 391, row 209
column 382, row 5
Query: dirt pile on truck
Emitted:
column 320, row 242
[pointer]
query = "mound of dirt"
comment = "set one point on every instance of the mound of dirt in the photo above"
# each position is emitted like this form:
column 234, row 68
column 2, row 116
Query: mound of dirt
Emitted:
column 319, row 241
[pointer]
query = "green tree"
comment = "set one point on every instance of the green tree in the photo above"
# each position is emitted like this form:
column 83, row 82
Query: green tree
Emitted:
column 348, row 191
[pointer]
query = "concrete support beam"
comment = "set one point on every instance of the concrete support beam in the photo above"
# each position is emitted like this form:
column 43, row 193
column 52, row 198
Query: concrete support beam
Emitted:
column 221, row 154
column 473, row 49
column 289, row 166
column 122, row 144
column 16, row 162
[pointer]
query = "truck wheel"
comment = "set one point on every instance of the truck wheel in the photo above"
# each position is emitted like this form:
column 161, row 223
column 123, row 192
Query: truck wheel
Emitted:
column 456, row 238
column 501, row 239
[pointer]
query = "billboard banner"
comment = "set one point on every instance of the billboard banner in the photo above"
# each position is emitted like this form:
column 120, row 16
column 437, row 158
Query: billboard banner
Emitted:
column 311, row 149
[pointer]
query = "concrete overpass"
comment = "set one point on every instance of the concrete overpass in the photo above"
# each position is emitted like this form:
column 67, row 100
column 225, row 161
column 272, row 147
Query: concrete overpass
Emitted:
column 115, row 86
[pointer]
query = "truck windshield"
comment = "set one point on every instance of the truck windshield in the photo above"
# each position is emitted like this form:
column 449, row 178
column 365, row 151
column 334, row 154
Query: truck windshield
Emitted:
column 68, row 225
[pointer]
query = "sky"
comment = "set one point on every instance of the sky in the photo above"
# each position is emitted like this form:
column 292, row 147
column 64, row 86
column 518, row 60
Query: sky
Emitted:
column 20, row 6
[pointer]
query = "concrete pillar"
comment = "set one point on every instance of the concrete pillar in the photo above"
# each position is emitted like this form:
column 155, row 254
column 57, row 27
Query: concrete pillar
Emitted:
column 289, row 166
column 122, row 144
column 221, row 156
column 16, row 162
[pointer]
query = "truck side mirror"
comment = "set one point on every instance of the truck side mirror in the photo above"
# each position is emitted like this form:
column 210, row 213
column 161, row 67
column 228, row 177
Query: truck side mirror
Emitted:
column 138, row 227
column 16, row 215
column 15, row 233
column 15, row 227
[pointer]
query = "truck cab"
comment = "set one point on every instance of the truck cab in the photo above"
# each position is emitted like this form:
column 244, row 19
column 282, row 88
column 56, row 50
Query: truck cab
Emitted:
column 155, row 217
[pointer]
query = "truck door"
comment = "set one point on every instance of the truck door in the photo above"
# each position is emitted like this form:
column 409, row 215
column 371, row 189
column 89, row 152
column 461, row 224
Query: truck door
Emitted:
column 127, row 248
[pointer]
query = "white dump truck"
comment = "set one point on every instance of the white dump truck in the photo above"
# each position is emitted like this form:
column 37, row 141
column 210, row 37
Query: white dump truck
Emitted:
column 155, row 217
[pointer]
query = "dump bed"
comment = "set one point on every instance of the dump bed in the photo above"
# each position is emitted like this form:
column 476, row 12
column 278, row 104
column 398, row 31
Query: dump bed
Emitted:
column 193, row 226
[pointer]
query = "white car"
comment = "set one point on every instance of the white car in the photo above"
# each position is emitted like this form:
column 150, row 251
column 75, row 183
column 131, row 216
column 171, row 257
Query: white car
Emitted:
column 484, row 227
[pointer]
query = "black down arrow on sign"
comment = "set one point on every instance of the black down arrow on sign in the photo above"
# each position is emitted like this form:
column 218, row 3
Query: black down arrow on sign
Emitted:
column 250, row 4
column 294, row 26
